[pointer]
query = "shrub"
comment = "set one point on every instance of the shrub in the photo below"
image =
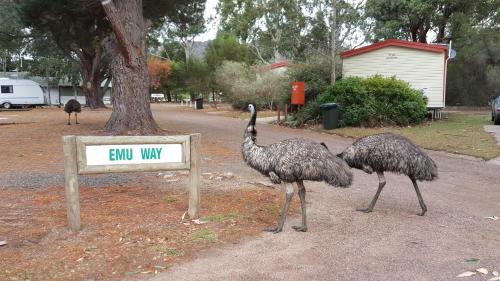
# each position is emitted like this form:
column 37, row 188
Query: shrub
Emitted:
column 373, row 101
column 316, row 73
column 241, row 85
column 356, row 104
column 397, row 102
column 310, row 113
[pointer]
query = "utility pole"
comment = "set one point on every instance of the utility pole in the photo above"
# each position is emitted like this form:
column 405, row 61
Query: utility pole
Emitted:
column 48, row 79
column 333, row 39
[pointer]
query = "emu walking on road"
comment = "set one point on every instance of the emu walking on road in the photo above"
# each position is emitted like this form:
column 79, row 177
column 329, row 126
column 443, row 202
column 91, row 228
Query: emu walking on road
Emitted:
column 293, row 161
column 391, row 153
column 72, row 106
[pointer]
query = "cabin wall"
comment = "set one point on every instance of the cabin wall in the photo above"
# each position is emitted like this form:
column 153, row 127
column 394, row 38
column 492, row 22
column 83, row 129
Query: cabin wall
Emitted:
column 423, row 70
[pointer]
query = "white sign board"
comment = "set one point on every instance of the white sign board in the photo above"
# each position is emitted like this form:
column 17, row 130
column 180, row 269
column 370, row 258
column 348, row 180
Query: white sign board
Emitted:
column 128, row 154
column 109, row 154
column 133, row 154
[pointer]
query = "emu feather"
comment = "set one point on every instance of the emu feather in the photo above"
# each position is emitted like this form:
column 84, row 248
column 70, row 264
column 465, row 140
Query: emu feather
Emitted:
column 293, row 161
column 72, row 106
column 391, row 153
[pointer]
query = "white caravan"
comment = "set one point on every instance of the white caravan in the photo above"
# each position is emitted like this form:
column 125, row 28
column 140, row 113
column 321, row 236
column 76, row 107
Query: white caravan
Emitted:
column 15, row 92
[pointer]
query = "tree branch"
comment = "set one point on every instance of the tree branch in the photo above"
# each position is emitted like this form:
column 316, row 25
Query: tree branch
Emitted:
column 119, row 31
column 257, row 52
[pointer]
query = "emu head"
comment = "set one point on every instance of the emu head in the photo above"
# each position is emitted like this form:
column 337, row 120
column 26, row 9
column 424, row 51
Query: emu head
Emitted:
column 251, row 108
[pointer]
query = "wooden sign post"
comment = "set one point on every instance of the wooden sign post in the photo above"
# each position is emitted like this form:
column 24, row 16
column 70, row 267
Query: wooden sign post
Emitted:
column 103, row 154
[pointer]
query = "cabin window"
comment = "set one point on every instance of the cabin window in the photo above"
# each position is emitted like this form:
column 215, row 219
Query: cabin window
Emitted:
column 7, row 89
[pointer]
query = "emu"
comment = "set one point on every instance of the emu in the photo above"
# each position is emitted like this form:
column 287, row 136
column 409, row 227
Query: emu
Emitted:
column 73, row 106
column 391, row 153
column 293, row 161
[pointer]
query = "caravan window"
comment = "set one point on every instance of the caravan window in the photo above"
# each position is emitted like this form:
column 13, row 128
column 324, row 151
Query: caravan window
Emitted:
column 7, row 89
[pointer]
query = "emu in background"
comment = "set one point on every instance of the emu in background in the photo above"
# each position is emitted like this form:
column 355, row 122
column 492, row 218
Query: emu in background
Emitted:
column 391, row 153
column 73, row 106
column 293, row 161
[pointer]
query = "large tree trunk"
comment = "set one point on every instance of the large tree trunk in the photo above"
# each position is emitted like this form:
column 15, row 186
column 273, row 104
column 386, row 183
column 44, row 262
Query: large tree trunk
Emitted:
column 90, row 64
column 127, row 46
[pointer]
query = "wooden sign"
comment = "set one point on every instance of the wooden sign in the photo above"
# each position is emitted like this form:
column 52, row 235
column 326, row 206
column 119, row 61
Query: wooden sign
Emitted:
column 103, row 154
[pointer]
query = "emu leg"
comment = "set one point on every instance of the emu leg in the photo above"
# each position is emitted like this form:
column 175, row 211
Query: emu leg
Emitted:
column 279, row 227
column 76, row 117
column 420, row 199
column 69, row 116
column 381, row 184
column 302, row 196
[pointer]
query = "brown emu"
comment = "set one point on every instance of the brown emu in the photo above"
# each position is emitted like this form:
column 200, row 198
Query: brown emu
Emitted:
column 72, row 106
column 293, row 161
column 391, row 153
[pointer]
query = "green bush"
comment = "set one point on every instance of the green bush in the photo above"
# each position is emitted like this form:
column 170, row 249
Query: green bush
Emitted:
column 372, row 102
column 316, row 74
column 310, row 113
column 397, row 102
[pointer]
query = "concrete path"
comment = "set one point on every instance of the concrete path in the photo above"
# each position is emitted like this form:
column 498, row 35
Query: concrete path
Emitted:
column 392, row 243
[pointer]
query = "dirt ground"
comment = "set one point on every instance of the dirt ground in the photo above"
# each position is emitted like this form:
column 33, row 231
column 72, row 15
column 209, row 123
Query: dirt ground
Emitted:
column 132, row 223
column 123, row 239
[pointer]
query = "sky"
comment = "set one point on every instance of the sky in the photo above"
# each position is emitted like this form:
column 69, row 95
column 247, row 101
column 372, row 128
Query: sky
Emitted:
column 211, row 25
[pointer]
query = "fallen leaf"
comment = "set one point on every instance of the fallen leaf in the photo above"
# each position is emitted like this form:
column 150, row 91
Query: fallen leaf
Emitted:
column 495, row 273
column 493, row 218
column 472, row 260
column 482, row 270
column 3, row 243
column 159, row 267
column 466, row 274
column 198, row 221
column 494, row 279
column 183, row 216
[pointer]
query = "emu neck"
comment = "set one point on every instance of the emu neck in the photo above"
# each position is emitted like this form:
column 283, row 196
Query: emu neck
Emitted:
column 250, row 131
column 252, row 153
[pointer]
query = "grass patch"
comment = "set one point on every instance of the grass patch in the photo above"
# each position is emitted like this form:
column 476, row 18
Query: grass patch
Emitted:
column 169, row 199
column 173, row 252
column 246, row 115
column 204, row 235
column 222, row 217
column 460, row 133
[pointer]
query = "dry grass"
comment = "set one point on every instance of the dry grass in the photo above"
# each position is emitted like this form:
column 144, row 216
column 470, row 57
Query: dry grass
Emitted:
column 128, row 231
column 460, row 133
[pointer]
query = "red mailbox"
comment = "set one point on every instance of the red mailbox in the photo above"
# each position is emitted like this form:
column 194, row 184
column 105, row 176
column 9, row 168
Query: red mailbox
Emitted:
column 298, row 93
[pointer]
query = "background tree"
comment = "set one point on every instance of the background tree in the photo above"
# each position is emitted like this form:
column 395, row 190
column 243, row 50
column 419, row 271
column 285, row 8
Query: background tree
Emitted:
column 226, row 47
column 77, row 30
column 270, row 28
column 158, row 70
column 13, row 37
column 174, row 84
column 130, row 20
column 186, row 25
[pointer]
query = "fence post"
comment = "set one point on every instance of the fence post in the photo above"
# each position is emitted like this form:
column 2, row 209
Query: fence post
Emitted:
column 279, row 113
column 71, row 182
column 286, row 111
column 195, row 176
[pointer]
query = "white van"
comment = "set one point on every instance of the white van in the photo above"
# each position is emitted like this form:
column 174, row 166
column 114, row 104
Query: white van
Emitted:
column 15, row 92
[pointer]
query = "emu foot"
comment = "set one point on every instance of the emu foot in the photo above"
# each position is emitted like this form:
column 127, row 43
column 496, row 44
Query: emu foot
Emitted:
column 367, row 210
column 77, row 123
column 273, row 229
column 301, row 228
column 422, row 213
column 69, row 123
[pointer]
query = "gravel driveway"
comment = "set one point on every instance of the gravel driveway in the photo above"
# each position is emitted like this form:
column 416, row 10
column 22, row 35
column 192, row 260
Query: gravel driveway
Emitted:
column 392, row 243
